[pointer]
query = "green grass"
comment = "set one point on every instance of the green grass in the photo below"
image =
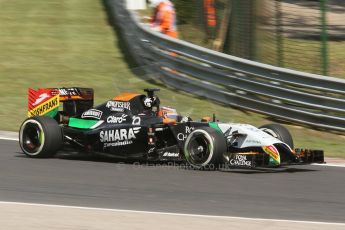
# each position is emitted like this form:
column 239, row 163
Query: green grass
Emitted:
column 303, row 55
column 337, row 58
column 54, row 43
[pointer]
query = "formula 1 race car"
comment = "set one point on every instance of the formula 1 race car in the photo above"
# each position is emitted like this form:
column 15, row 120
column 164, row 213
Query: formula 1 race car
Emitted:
column 135, row 126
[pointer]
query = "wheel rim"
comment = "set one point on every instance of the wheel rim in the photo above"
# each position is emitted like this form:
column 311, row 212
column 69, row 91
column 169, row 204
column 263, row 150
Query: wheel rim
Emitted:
column 199, row 149
column 31, row 137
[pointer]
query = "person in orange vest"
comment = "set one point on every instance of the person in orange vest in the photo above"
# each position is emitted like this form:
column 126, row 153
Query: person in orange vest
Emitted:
column 210, row 16
column 210, row 12
column 164, row 17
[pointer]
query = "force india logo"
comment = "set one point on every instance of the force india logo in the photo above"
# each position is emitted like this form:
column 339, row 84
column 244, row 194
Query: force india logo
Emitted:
column 45, row 107
column 118, row 137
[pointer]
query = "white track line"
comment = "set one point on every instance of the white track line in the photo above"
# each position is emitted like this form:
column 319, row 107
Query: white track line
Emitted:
column 171, row 213
column 9, row 136
column 9, row 139
column 331, row 165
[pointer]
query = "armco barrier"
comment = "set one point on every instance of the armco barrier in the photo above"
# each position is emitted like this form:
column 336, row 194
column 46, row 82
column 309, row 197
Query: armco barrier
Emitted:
column 298, row 97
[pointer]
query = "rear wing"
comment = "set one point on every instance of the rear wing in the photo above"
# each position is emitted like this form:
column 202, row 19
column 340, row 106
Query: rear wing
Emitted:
column 47, row 101
column 74, row 94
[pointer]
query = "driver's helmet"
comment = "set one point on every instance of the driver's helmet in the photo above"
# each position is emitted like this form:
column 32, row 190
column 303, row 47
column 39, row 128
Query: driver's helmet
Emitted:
column 167, row 112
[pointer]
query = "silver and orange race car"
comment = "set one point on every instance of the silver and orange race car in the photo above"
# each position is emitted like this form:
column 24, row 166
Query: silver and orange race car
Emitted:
column 135, row 126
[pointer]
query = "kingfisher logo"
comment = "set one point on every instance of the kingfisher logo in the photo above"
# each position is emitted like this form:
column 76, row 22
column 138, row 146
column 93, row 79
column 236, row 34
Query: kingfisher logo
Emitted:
column 45, row 107
column 42, row 101
column 41, row 98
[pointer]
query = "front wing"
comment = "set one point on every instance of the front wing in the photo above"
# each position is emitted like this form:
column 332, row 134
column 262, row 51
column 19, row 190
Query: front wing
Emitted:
column 260, row 159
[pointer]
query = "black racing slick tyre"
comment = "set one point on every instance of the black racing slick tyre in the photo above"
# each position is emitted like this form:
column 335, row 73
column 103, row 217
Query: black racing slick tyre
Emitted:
column 40, row 137
column 204, row 149
column 279, row 132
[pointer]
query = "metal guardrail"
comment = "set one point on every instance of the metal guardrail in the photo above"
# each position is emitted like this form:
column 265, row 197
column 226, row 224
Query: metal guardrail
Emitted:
column 318, row 101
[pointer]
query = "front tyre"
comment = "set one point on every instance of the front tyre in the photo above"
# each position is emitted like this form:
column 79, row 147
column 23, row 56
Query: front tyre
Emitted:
column 204, row 148
column 40, row 137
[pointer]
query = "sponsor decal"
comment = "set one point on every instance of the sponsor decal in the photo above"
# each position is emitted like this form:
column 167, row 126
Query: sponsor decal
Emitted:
column 251, row 141
column 92, row 113
column 273, row 153
column 148, row 102
column 69, row 92
column 45, row 107
column 183, row 136
column 119, row 143
column 118, row 137
column 36, row 97
column 136, row 120
column 240, row 160
column 184, row 119
column 41, row 98
column 116, row 119
column 118, row 106
column 151, row 150
column 169, row 154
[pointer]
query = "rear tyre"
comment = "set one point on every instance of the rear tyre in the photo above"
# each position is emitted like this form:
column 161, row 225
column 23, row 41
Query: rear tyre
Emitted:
column 40, row 137
column 204, row 148
column 280, row 132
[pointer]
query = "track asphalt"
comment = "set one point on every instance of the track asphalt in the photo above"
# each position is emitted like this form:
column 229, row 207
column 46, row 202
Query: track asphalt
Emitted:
column 308, row 193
